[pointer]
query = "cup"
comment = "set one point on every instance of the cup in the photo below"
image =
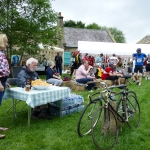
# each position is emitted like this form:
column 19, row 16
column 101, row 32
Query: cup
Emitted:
column 27, row 88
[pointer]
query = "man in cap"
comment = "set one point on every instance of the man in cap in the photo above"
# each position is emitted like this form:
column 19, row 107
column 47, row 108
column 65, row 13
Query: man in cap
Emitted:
column 138, row 70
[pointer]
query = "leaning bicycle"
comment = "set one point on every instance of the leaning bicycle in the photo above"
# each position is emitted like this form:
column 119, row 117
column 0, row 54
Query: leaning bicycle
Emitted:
column 127, row 110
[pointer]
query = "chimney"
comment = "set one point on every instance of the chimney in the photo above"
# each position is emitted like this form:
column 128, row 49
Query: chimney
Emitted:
column 60, row 20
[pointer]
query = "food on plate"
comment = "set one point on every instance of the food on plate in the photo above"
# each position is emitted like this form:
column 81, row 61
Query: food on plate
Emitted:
column 39, row 82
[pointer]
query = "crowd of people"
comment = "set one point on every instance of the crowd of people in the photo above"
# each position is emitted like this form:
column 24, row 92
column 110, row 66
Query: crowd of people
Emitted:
column 109, row 68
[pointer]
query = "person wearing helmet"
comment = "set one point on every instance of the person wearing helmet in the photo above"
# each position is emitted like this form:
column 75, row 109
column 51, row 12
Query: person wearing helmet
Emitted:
column 139, row 60
column 110, row 74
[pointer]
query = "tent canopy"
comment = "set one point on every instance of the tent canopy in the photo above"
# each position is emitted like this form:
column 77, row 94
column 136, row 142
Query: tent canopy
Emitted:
column 51, row 48
column 111, row 48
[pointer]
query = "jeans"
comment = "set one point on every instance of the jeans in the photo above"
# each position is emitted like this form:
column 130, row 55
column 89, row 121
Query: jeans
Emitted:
column 2, row 92
column 85, row 80
column 59, row 68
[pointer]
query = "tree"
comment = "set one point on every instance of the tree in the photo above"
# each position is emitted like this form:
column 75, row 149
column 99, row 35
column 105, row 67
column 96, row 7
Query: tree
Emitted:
column 28, row 23
column 73, row 24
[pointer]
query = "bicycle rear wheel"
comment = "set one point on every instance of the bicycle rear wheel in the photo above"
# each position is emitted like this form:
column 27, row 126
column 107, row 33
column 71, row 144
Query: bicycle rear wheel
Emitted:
column 133, row 110
column 105, row 132
column 84, row 122
column 131, row 106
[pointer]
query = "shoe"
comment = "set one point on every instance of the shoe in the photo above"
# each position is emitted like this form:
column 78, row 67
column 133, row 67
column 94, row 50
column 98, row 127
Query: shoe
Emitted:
column 137, row 82
column 2, row 136
column 146, row 78
column 90, row 91
column 44, row 116
column 35, row 115
column 3, row 129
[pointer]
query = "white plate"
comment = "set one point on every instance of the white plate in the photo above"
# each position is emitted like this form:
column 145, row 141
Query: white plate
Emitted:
column 40, row 87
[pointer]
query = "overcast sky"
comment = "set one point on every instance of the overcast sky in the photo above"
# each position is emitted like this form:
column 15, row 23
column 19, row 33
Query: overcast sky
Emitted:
column 132, row 17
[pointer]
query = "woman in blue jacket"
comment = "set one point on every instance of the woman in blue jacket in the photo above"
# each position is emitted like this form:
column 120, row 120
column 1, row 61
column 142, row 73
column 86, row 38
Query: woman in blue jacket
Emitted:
column 51, row 76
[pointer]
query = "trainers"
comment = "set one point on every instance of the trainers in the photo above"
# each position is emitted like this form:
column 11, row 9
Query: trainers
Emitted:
column 35, row 115
column 146, row 78
column 137, row 82
column 90, row 91
column 2, row 136
column 44, row 116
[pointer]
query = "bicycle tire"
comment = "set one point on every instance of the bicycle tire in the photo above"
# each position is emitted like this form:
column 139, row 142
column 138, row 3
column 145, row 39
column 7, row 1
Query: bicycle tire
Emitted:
column 84, row 122
column 133, row 110
column 105, row 132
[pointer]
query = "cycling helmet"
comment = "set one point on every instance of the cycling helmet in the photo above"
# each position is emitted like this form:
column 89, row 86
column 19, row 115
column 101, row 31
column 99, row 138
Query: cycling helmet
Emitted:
column 138, row 50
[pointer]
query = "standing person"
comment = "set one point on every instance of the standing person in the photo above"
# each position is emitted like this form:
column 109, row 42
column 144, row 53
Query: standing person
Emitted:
column 91, row 61
column 147, row 75
column 28, row 72
column 139, row 60
column 77, row 62
column 15, row 60
column 58, row 60
column 82, row 75
column 4, row 71
column 72, row 61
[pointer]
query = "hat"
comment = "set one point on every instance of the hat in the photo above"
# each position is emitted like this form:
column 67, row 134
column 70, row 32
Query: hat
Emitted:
column 138, row 50
column 111, row 63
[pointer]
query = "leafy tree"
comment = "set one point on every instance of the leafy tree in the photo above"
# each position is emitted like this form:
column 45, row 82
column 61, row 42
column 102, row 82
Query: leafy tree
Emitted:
column 28, row 23
column 73, row 24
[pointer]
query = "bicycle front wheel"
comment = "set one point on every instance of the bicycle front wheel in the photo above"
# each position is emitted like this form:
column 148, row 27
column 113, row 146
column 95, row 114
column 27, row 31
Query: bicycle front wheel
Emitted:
column 105, row 132
column 84, row 123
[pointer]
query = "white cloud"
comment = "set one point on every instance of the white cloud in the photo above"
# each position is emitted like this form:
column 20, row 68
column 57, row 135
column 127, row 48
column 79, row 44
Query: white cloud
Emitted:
column 129, row 16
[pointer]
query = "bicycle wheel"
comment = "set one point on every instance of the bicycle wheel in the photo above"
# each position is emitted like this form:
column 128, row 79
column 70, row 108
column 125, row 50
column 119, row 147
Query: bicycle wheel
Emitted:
column 84, row 122
column 133, row 110
column 105, row 132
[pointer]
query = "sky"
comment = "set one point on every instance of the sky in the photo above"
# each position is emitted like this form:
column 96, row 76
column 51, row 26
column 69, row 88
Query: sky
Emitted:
column 132, row 17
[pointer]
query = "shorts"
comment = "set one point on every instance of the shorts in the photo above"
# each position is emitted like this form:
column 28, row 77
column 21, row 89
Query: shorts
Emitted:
column 147, row 67
column 138, row 69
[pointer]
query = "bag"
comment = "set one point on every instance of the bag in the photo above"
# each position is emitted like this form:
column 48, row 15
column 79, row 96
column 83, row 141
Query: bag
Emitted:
column 1, row 87
column 66, row 79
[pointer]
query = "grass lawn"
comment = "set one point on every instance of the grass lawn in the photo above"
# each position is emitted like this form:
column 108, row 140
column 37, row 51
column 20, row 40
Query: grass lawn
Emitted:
column 61, row 133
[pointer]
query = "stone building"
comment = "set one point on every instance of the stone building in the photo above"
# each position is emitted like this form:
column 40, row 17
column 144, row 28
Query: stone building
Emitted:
column 71, row 36
column 145, row 40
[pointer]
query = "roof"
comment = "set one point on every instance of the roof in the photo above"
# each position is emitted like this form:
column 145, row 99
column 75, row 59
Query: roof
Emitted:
column 145, row 40
column 73, row 35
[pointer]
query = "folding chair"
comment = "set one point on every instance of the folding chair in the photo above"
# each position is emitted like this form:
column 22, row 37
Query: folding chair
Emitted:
column 15, row 71
column 12, row 82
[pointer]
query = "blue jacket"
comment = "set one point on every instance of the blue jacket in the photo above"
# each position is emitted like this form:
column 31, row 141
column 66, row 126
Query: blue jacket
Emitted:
column 25, row 74
column 49, row 73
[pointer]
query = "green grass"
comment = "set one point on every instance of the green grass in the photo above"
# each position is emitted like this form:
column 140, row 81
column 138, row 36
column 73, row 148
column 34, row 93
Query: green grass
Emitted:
column 61, row 133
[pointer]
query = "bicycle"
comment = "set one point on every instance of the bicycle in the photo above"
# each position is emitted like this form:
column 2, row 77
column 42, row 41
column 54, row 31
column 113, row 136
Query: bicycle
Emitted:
column 108, row 116
column 84, row 122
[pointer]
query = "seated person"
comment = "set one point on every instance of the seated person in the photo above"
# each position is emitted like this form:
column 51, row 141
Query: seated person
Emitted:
column 109, row 74
column 51, row 76
column 28, row 72
column 99, row 71
column 83, row 77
